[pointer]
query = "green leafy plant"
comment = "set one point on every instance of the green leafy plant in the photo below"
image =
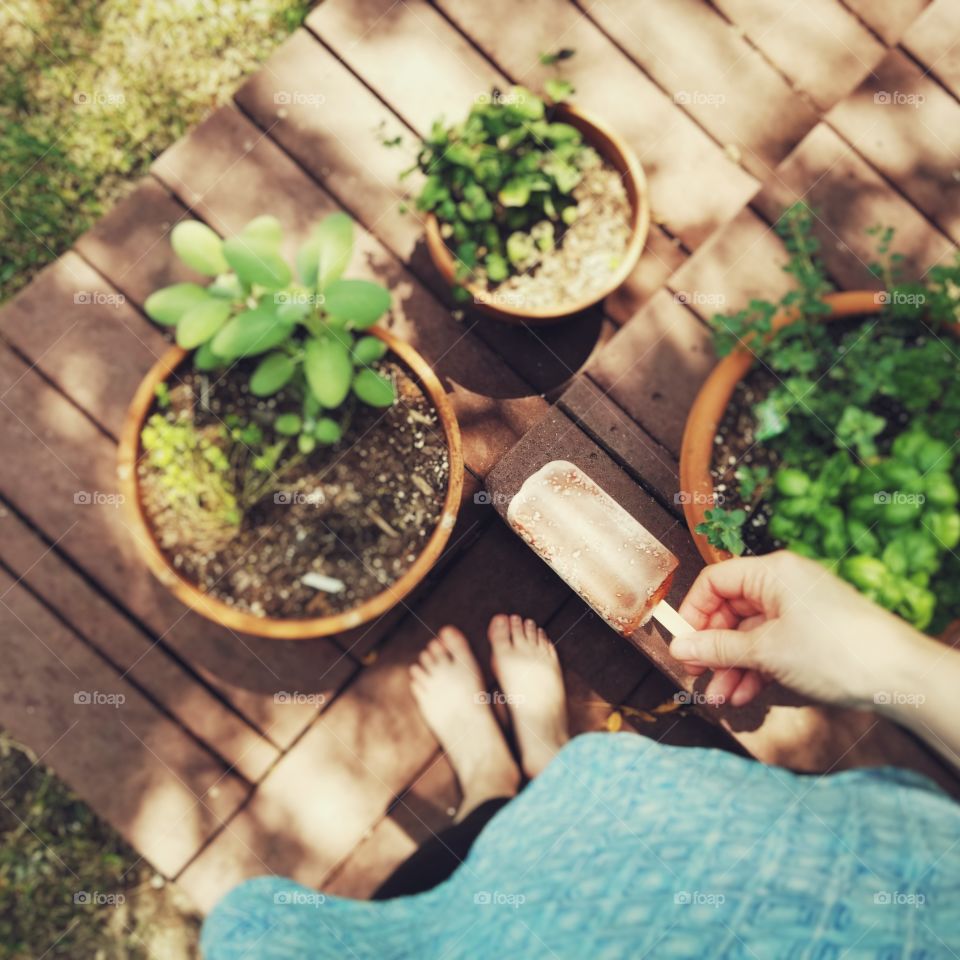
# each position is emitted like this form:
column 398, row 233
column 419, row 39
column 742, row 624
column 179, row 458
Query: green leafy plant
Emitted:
column 310, row 333
column 859, row 427
column 501, row 183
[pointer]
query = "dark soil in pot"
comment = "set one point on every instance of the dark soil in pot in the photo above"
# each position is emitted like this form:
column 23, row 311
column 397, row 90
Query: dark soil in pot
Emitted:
column 351, row 518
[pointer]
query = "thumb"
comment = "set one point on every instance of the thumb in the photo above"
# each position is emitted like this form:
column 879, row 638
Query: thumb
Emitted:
column 717, row 648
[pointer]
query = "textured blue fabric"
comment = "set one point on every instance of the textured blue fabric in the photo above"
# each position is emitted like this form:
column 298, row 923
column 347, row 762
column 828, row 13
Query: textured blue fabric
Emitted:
column 624, row 848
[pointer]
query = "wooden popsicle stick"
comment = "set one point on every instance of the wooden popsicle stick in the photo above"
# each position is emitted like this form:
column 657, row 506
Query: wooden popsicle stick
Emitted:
column 668, row 618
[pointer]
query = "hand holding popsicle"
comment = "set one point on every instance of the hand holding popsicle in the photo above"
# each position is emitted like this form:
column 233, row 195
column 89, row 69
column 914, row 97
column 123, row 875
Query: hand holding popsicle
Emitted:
column 783, row 617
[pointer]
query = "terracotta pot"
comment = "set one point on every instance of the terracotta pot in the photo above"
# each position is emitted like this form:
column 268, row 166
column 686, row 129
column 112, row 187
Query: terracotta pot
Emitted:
column 609, row 145
column 292, row 629
column 703, row 421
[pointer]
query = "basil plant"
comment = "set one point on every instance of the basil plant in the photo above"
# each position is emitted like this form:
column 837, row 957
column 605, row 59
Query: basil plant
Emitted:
column 309, row 332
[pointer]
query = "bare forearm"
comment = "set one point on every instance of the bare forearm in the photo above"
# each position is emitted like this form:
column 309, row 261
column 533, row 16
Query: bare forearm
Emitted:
column 922, row 693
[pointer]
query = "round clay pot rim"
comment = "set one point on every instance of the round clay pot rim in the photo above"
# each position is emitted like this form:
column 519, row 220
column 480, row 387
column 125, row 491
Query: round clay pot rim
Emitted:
column 286, row 629
column 703, row 420
column 614, row 149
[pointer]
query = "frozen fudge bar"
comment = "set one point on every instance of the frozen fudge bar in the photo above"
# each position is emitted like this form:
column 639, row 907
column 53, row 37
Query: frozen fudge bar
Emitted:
column 613, row 562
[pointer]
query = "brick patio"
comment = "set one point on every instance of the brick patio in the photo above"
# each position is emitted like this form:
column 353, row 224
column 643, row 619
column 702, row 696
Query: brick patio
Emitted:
column 735, row 109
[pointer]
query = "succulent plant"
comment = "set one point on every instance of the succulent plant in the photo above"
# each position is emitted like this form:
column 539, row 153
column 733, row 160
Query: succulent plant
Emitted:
column 501, row 182
column 309, row 333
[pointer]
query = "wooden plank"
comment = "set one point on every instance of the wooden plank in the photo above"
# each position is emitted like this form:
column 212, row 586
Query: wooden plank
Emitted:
column 694, row 185
column 932, row 39
column 424, row 810
column 75, row 326
column 743, row 260
column 371, row 743
column 599, row 669
column 229, row 171
column 654, row 366
column 685, row 728
column 132, row 652
column 849, row 197
column 130, row 246
column 649, row 463
column 787, row 33
column 778, row 727
column 327, row 131
column 713, row 73
column 908, row 127
column 890, row 18
column 52, row 446
column 139, row 771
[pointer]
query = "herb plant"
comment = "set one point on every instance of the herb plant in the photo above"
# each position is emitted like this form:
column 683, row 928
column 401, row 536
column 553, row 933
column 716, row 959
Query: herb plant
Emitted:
column 859, row 428
column 501, row 183
column 309, row 333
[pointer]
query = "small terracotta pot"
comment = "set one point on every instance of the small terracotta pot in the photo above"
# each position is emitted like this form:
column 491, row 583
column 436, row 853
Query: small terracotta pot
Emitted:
column 703, row 421
column 292, row 629
column 615, row 150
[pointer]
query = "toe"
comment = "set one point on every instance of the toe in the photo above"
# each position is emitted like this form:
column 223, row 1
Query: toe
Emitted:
column 455, row 644
column 544, row 642
column 438, row 652
column 530, row 628
column 516, row 628
column 499, row 630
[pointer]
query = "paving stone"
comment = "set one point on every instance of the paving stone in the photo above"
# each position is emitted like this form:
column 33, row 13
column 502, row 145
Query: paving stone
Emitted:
column 52, row 447
column 908, row 127
column 135, row 655
column 932, row 40
column 890, row 18
column 139, row 771
column 654, row 366
column 846, row 51
column 849, row 197
column 709, row 68
column 229, row 172
column 371, row 743
column 694, row 186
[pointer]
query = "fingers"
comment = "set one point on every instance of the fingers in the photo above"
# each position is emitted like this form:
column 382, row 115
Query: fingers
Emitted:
column 751, row 684
column 717, row 648
column 726, row 592
column 722, row 684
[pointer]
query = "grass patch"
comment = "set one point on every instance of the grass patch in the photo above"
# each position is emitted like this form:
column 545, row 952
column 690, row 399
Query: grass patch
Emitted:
column 70, row 887
column 92, row 90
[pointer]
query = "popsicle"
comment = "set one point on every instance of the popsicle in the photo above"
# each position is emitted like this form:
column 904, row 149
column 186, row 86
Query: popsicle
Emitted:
column 611, row 560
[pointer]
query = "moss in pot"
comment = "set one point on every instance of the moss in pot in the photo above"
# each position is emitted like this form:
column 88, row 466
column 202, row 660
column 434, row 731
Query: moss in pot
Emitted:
column 840, row 441
column 300, row 462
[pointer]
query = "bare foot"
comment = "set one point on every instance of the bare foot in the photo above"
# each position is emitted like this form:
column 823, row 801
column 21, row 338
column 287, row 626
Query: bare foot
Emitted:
column 450, row 692
column 526, row 664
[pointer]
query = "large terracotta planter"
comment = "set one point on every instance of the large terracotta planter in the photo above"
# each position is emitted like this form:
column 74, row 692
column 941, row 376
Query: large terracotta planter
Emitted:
column 703, row 421
column 289, row 629
column 621, row 157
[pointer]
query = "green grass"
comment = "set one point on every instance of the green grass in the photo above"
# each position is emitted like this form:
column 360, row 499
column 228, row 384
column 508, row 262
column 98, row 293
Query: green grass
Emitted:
column 70, row 887
column 92, row 90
